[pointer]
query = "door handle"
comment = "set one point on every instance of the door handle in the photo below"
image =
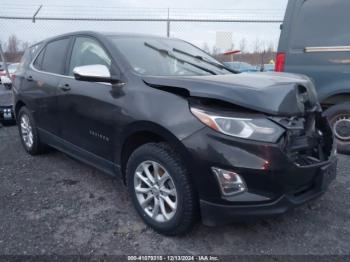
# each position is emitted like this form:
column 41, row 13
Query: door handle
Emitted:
column 29, row 78
column 65, row 87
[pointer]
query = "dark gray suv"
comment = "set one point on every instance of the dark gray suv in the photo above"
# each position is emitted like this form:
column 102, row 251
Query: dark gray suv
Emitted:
column 189, row 137
column 315, row 41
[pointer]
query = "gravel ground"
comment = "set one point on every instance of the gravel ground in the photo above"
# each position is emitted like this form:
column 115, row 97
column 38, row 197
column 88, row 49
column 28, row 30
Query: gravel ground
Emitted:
column 52, row 204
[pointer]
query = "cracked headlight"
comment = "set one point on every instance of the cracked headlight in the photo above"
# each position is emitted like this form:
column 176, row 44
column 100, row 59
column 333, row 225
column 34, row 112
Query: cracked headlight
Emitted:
column 259, row 129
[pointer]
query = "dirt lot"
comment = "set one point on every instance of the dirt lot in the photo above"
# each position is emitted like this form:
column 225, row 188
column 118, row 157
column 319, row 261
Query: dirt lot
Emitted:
column 52, row 204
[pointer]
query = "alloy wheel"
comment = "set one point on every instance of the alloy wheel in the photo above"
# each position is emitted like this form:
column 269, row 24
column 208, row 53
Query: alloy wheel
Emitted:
column 155, row 191
column 26, row 131
column 341, row 127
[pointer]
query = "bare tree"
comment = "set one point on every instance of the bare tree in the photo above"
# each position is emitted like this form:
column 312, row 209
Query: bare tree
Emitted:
column 232, row 47
column 271, row 47
column 215, row 51
column 25, row 45
column 270, row 53
column 12, row 49
column 243, row 45
column 12, row 46
column 257, row 46
column 206, row 48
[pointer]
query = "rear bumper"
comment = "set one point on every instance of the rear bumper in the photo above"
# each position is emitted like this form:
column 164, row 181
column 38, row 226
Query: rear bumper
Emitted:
column 217, row 214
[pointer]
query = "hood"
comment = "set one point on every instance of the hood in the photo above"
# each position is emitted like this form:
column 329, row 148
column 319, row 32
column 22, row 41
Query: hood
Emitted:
column 272, row 93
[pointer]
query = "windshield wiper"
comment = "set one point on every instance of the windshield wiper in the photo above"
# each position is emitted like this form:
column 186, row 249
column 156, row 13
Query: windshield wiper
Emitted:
column 167, row 53
column 205, row 60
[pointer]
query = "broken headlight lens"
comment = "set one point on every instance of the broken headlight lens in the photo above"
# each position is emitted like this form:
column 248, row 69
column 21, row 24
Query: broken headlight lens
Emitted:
column 259, row 129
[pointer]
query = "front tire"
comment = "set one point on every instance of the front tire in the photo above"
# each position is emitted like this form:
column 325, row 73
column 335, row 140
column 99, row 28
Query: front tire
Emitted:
column 161, row 190
column 339, row 119
column 28, row 132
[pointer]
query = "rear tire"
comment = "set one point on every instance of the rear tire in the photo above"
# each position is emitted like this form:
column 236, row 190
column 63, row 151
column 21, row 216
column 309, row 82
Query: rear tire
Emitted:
column 172, row 203
column 28, row 132
column 339, row 119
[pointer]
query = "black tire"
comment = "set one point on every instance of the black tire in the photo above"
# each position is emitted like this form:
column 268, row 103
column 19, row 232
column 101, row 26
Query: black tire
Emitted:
column 8, row 86
column 334, row 115
column 37, row 146
column 187, row 203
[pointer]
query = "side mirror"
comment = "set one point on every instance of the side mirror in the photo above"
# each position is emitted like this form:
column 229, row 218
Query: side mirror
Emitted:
column 93, row 73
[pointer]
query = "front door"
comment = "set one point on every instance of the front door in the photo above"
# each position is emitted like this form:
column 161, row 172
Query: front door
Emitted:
column 88, row 110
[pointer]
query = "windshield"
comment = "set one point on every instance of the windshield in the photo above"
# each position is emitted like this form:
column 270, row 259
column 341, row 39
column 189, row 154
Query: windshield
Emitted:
column 240, row 66
column 167, row 57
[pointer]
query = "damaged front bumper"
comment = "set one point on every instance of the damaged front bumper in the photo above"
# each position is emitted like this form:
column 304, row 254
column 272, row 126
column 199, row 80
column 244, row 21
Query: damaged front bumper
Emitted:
column 278, row 176
column 217, row 214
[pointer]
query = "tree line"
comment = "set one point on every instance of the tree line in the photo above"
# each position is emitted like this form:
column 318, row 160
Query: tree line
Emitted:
column 13, row 48
column 261, row 52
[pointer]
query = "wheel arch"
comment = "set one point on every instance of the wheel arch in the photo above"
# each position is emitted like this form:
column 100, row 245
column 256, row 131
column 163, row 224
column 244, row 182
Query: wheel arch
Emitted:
column 19, row 104
column 338, row 98
column 144, row 132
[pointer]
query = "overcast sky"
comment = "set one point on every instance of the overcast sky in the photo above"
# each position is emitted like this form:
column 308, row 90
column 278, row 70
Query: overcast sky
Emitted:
column 197, row 33
column 217, row 4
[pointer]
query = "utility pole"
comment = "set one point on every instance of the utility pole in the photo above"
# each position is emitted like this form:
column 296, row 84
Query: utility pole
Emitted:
column 36, row 13
column 168, row 25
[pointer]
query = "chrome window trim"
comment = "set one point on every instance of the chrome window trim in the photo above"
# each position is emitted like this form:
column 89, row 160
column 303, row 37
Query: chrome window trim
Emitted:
column 31, row 65
column 48, row 73
column 314, row 49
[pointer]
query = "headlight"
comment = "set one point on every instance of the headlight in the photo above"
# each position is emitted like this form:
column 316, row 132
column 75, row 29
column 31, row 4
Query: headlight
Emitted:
column 260, row 129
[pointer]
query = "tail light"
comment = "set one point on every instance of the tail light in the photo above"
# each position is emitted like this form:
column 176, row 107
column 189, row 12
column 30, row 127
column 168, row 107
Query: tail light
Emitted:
column 280, row 62
column 13, row 77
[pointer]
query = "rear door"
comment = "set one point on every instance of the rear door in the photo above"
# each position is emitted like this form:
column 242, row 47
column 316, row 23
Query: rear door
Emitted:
column 20, row 80
column 42, row 80
column 316, row 40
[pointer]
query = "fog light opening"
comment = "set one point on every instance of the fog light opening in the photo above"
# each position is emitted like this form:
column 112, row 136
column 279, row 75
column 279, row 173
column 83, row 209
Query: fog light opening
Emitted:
column 266, row 165
column 230, row 182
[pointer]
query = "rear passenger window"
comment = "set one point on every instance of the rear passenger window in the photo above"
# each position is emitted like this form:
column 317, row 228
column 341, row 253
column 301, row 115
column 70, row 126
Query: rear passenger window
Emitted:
column 54, row 59
column 34, row 50
column 321, row 23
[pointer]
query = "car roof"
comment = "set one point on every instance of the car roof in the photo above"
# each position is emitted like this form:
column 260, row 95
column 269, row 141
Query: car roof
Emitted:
column 99, row 34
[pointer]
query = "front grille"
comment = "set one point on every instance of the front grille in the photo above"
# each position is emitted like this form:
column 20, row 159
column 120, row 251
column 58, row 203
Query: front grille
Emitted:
column 308, row 139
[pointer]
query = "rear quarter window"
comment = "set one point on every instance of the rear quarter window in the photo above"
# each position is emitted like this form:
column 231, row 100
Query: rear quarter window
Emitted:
column 321, row 23
column 38, row 61
column 28, row 56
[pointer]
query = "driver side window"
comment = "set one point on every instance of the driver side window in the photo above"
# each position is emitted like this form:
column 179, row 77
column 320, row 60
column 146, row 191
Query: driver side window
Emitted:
column 87, row 51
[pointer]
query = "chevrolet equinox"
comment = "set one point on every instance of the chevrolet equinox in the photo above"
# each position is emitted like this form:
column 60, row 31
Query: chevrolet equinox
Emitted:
column 189, row 137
